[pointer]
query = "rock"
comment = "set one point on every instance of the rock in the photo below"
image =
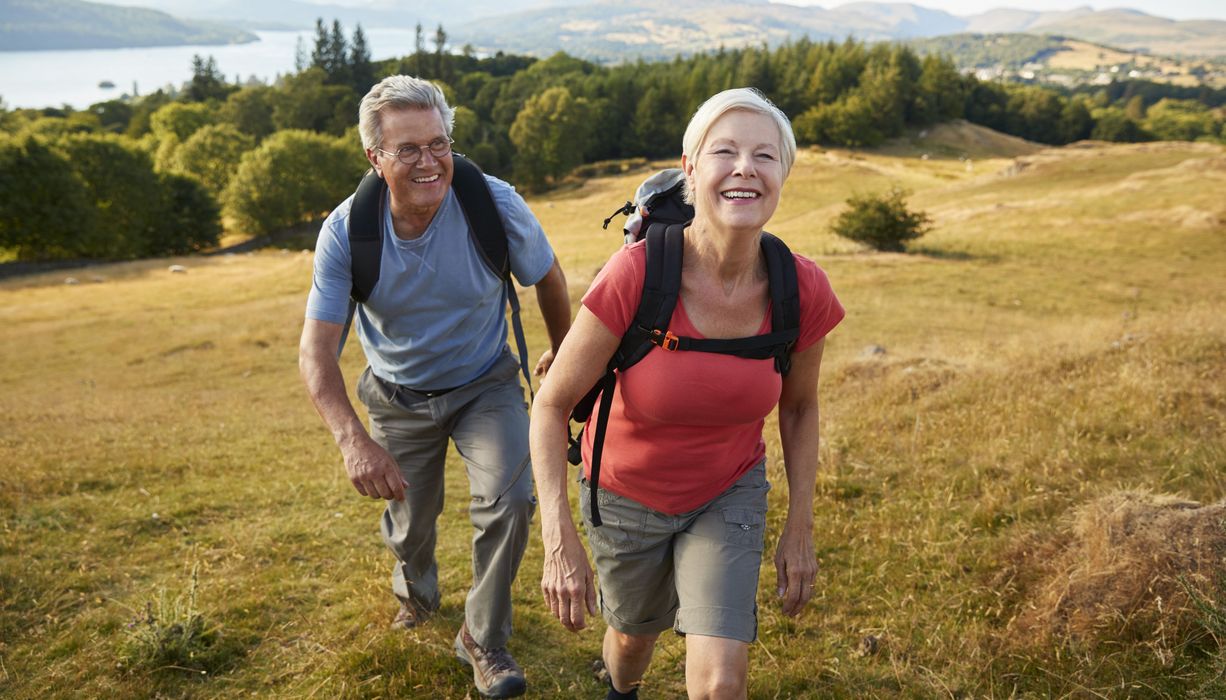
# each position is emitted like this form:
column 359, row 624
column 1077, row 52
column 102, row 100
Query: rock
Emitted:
column 178, row 269
column 71, row 280
column 869, row 646
column 872, row 351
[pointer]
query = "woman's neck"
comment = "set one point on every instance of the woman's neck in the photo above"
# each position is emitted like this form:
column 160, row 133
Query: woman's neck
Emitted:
column 732, row 257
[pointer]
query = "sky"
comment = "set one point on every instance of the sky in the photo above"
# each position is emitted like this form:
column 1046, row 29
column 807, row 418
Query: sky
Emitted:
column 1173, row 9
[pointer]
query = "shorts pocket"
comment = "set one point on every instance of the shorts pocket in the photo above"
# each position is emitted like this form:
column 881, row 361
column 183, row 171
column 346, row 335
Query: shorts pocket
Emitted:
column 622, row 524
column 745, row 527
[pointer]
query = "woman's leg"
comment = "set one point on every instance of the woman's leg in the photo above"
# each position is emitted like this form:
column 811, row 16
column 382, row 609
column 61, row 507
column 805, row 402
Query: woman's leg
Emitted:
column 626, row 657
column 716, row 668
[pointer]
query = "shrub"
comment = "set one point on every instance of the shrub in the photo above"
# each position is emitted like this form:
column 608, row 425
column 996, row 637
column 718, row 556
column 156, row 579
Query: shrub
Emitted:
column 882, row 221
column 44, row 212
column 292, row 177
column 211, row 155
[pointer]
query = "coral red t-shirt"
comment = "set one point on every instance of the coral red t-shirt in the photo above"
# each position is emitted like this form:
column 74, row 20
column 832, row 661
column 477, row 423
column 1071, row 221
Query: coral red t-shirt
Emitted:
column 685, row 426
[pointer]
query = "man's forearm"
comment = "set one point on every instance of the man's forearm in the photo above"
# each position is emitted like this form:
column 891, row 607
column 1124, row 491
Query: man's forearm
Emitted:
column 326, row 386
column 553, row 297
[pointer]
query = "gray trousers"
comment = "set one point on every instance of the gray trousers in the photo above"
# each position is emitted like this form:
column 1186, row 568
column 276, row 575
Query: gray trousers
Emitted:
column 488, row 421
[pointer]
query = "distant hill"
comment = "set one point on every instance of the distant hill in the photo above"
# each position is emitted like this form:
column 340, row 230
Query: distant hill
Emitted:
column 614, row 30
column 33, row 25
column 1063, row 61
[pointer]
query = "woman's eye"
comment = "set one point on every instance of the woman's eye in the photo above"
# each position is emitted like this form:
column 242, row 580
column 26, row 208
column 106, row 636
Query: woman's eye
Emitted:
column 766, row 156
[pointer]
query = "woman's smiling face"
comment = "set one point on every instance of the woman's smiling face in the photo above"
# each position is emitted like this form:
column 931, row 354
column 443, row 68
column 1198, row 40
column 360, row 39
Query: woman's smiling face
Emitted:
column 737, row 174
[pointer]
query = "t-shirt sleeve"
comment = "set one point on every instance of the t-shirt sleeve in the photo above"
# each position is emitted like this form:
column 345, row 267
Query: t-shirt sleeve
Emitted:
column 332, row 278
column 615, row 293
column 531, row 254
column 820, row 310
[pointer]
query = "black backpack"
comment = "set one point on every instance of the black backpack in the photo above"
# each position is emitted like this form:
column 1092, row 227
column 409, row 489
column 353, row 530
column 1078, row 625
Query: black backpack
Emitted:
column 489, row 236
column 661, row 215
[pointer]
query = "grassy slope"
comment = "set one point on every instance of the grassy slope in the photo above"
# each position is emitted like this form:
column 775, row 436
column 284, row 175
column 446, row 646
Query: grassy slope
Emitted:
column 1059, row 336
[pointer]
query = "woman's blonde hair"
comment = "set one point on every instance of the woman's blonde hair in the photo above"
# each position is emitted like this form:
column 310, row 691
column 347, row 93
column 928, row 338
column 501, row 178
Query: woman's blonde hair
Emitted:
column 719, row 104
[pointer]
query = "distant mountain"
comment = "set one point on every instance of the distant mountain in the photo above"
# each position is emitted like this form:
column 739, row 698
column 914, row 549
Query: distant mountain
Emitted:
column 32, row 25
column 1138, row 31
column 614, row 30
column 299, row 14
column 905, row 20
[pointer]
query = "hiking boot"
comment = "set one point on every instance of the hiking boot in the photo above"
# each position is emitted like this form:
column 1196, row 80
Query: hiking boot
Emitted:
column 495, row 672
column 410, row 615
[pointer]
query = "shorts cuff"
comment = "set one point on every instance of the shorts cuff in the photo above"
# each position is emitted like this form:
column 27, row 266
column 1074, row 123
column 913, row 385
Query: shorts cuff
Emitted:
column 728, row 623
column 655, row 626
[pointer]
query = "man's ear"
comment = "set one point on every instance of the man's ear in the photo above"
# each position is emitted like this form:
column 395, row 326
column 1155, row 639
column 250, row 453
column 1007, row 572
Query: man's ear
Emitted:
column 374, row 161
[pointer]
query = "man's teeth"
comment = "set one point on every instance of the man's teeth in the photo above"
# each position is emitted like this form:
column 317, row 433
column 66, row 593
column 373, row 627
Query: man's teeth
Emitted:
column 425, row 180
column 740, row 194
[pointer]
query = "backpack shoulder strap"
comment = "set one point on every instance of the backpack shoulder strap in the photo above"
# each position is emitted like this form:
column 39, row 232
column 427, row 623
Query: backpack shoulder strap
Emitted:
column 477, row 202
column 661, row 288
column 366, row 234
column 785, row 296
column 490, row 238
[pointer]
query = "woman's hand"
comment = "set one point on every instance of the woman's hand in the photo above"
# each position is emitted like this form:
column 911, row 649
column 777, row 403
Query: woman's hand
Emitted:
column 568, row 583
column 796, row 568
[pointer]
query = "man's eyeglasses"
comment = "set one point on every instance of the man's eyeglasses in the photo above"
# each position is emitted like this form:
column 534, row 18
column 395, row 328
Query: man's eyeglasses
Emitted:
column 411, row 153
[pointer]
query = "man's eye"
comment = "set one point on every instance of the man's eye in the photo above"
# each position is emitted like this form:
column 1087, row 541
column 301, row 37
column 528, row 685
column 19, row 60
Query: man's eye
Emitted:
column 437, row 143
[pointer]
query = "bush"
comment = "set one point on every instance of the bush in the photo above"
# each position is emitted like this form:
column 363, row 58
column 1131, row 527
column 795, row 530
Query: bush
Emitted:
column 294, row 176
column 881, row 221
column 212, row 155
column 44, row 213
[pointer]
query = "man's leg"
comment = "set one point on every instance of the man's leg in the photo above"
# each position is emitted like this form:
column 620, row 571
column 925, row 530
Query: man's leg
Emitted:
column 402, row 424
column 491, row 435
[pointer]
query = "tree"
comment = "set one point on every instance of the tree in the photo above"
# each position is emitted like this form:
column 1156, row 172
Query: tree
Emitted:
column 44, row 213
column 1111, row 124
column 207, row 82
column 440, row 47
column 181, row 119
column 124, row 190
column 361, row 71
column 250, row 111
column 294, row 176
column 882, row 222
column 307, row 102
column 1075, row 121
column 550, row 134
column 1179, row 120
column 188, row 218
column 211, row 156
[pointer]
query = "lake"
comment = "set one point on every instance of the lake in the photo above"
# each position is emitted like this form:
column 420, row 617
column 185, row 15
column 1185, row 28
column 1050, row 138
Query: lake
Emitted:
column 55, row 78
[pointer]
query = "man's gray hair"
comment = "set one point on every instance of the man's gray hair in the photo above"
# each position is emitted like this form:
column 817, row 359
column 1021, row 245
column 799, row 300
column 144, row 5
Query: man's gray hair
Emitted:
column 749, row 100
column 399, row 92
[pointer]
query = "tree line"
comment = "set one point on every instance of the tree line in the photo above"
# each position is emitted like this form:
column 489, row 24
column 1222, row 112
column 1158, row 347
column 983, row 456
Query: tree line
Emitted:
column 158, row 174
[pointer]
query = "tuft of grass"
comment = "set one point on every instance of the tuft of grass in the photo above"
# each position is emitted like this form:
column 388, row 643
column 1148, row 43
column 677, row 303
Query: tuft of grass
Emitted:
column 170, row 634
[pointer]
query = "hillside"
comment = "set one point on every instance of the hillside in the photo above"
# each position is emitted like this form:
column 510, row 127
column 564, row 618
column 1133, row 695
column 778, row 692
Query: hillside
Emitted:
column 618, row 30
column 1063, row 61
column 1057, row 338
column 38, row 25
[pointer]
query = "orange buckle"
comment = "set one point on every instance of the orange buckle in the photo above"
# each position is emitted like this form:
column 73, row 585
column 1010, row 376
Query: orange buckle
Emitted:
column 666, row 340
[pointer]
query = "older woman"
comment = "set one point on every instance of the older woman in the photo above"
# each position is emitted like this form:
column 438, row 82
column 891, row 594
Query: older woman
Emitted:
column 682, row 489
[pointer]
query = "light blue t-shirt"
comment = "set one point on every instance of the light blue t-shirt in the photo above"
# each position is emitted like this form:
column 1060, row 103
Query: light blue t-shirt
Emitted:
column 436, row 319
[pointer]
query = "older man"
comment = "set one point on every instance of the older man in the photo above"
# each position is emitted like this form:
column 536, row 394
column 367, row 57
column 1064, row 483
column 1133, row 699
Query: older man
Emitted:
column 434, row 332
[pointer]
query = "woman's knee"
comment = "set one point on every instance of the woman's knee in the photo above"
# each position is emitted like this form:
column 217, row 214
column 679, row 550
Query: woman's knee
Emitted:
column 633, row 644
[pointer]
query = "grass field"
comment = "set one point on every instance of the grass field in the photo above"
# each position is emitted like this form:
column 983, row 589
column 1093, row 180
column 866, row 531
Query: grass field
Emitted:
column 1057, row 338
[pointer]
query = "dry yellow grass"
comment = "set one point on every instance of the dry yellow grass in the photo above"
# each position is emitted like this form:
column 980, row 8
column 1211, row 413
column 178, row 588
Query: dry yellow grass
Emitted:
column 1059, row 336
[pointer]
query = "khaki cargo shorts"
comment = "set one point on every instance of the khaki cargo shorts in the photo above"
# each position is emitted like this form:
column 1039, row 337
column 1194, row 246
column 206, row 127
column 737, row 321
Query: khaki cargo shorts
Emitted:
column 696, row 572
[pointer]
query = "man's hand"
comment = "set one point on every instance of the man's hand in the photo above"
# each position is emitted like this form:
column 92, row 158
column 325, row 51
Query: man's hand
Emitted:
column 372, row 471
column 543, row 364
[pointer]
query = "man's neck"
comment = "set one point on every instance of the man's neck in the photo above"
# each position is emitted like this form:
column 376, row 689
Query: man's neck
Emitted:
column 408, row 222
